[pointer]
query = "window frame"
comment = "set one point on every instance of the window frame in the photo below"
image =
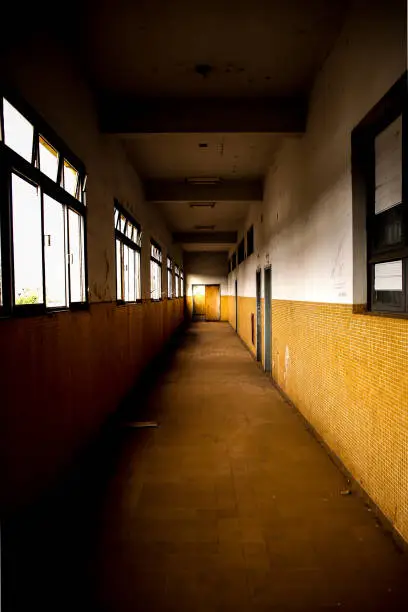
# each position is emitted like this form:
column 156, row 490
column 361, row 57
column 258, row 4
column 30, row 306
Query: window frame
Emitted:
column 241, row 256
column 181, row 283
column 250, row 241
column 159, row 262
column 176, row 281
column 170, row 273
column 125, row 240
column 384, row 113
column 13, row 163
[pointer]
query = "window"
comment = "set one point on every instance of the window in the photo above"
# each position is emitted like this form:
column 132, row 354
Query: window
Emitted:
column 181, row 283
column 380, row 185
column 42, row 218
column 250, row 241
column 176, row 281
column 128, row 242
column 169, row 278
column 155, row 271
column 241, row 251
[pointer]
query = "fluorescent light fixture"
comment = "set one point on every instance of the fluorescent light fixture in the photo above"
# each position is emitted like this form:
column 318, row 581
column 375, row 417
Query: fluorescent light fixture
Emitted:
column 202, row 204
column 203, row 180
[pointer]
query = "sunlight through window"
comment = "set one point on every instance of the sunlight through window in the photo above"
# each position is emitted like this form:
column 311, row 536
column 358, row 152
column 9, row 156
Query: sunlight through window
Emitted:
column 27, row 243
column 76, row 256
column 54, row 253
column 70, row 179
column 48, row 157
column 18, row 132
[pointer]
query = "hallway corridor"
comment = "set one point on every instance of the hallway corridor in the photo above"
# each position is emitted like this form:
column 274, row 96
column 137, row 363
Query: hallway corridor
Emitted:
column 232, row 505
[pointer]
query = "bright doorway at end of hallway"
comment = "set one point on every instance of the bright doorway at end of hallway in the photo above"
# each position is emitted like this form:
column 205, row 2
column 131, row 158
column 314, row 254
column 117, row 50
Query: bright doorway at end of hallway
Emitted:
column 206, row 302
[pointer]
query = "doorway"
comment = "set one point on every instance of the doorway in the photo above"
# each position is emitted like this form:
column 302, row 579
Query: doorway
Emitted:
column 236, row 306
column 206, row 302
column 258, row 317
column 212, row 303
column 199, row 302
column 268, row 319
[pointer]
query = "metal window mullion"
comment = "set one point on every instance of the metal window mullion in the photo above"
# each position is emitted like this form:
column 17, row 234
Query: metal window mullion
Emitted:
column 43, row 246
column 6, row 239
column 122, row 270
column 66, row 216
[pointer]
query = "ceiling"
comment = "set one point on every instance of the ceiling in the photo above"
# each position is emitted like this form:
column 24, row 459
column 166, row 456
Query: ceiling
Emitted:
column 255, row 48
column 218, row 49
column 177, row 156
column 225, row 216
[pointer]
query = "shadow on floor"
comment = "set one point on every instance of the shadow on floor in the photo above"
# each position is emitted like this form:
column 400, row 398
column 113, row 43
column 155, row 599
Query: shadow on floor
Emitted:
column 45, row 545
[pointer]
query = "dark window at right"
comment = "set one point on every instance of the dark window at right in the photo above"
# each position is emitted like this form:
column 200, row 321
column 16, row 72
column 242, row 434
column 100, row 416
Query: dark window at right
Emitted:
column 250, row 241
column 379, row 150
column 241, row 251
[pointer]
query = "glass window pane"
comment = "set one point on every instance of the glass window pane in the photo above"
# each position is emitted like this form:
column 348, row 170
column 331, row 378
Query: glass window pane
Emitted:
column 122, row 223
column 18, row 132
column 27, row 242
column 48, row 159
column 132, row 276
column 54, row 253
column 129, row 230
column 119, row 295
column 388, row 167
column 155, row 279
column 169, row 284
column 388, row 276
column 138, row 290
column 125, row 272
column 1, row 275
column 70, row 179
column 76, row 256
column 116, row 217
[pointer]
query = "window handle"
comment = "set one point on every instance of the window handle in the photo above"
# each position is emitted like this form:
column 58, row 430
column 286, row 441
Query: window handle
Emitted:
column 47, row 239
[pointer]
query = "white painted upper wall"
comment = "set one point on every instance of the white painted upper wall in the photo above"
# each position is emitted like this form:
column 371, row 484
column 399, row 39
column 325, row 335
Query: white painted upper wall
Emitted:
column 306, row 231
column 206, row 268
column 50, row 81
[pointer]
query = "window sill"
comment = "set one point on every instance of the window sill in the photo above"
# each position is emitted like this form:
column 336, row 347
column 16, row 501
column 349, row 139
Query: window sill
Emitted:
column 379, row 313
column 124, row 303
column 21, row 312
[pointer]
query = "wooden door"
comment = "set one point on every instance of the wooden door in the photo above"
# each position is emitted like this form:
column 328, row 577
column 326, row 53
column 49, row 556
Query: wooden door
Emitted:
column 199, row 302
column 212, row 302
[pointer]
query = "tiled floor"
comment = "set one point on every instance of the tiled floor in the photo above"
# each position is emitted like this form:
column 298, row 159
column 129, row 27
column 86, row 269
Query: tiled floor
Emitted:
column 229, row 505
column 232, row 505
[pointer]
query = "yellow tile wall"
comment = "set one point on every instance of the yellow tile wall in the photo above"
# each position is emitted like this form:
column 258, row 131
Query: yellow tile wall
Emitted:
column 348, row 374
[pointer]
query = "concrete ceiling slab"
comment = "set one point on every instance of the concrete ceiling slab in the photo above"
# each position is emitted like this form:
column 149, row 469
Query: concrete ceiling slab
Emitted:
column 212, row 48
column 225, row 216
column 177, row 156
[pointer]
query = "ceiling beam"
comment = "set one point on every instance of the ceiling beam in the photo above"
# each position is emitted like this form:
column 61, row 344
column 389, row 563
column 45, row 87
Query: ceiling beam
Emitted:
column 124, row 115
column 205, row 237
column 227, row 191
